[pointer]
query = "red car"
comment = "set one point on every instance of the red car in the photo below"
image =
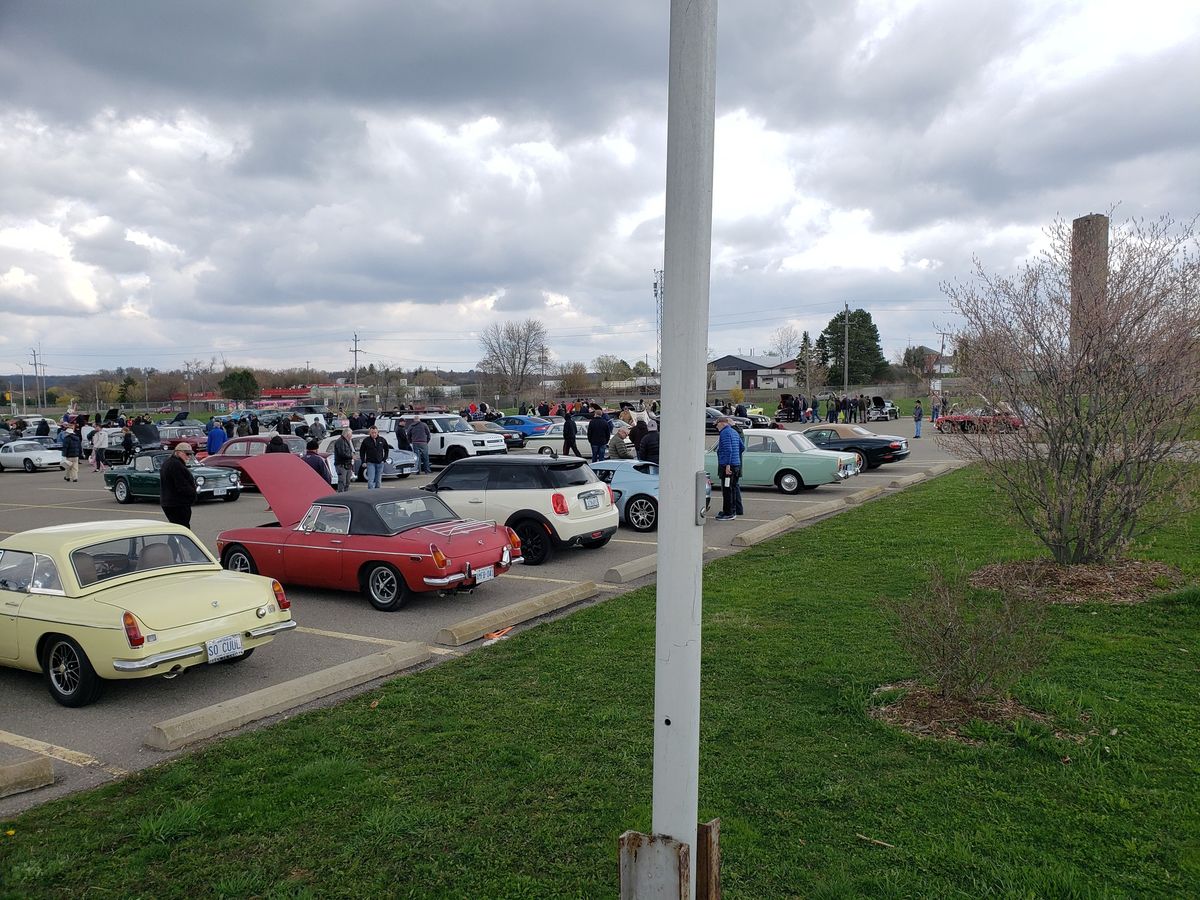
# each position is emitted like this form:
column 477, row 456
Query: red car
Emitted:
column 389, row 544
column 237, row 450
column 978, row 420
column 174, row 435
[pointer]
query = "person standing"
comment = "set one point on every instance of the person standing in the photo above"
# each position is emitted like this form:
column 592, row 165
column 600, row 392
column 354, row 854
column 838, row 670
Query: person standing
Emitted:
column 729, row 466
column 216, row 438
column 72, row 451
column 570, row 432
column 597, row 435
column 177, row 491
column 99, row 448
column 127, row 443
column 317, row 430
column 618, row 447
column 374, row 452
column 418, row 436
column 343, row 459
column 918, row 415
column 315, row 461
column 648, row 446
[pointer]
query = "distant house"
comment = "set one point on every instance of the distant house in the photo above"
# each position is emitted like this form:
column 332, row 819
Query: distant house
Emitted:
column 753, row 373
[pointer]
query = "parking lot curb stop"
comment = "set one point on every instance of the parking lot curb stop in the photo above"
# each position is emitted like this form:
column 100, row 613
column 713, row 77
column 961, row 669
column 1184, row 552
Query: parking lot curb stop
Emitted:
column 20, row 772
column 760, row 533
column 171, row 734
column 869, row 494
column 632, row 570
column 814, row 510
column 905, row 480
column 477, row 626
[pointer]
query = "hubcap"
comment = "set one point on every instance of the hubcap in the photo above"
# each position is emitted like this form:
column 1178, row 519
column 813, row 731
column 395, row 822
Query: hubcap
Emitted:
column 383, row 585
column 121, row 490
column 64, row 668
column 789, row 482
column 641, row 513
column 238, row 562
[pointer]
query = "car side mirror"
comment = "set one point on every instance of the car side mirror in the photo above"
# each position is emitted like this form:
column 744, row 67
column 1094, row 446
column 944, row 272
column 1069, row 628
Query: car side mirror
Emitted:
column 432, row 488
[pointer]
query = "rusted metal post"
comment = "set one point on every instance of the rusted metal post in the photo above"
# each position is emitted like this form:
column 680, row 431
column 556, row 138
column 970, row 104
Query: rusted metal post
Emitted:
column 708, row 861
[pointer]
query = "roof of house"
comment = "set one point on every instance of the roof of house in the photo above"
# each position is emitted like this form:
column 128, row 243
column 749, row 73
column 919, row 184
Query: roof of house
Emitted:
column 753, row 363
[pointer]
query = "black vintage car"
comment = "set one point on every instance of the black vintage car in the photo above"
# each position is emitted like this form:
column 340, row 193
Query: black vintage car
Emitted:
column 872, row 450
column 711, row 414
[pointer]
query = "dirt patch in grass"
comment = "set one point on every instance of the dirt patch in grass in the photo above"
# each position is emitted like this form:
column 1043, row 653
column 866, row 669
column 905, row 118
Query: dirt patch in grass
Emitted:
column 1125, row 581
column 926, row 713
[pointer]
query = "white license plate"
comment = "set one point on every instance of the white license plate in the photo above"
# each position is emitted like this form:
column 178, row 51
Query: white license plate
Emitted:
column 224, row 648
column 487, row 573
column 219, row 492
column 591, row 502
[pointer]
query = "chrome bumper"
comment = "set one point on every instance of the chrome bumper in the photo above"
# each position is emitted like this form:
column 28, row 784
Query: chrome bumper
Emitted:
column 446, row 580
column 271, row 629
column 158, row 659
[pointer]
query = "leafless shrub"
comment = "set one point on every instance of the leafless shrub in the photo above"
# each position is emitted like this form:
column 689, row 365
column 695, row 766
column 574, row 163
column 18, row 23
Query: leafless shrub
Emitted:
column 970, row 646
column 1106, row 392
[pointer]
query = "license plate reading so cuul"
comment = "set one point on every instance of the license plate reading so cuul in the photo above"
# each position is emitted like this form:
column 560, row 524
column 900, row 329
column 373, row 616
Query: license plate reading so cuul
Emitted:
column 224, row 648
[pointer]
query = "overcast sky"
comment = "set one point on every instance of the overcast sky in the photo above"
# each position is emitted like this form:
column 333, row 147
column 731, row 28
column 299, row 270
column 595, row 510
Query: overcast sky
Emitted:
column 260, row 180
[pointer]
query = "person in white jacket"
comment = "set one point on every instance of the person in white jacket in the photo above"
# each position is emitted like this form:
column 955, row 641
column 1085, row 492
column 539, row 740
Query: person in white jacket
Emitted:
column 99, row 446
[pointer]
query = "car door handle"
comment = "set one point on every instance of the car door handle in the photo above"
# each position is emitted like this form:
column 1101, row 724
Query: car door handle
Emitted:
column 475, row 501
column 335, row 542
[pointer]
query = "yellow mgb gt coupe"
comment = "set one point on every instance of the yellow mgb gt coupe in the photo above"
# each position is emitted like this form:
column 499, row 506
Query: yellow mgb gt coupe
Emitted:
column 132, row 599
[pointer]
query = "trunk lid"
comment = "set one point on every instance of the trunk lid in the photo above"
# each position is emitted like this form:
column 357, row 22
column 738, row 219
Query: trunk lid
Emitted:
column 178, row 599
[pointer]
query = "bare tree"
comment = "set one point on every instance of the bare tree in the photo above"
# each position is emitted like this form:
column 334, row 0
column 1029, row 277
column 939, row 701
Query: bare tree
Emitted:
column 510, row 353
column 609, row 368
column 1104, row 390
column 573, row 379
column 785, row 341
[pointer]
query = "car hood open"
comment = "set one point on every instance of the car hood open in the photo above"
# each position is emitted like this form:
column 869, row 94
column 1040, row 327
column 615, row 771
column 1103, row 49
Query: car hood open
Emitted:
column 147, row 436
column 288, row 484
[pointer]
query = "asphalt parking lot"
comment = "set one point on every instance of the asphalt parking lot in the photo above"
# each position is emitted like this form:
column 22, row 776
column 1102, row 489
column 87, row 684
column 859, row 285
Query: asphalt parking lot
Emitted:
column 104, row 741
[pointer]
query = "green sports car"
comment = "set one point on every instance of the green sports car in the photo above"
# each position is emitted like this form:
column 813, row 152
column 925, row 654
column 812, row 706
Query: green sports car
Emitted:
column 786, row 460
column 140, row 479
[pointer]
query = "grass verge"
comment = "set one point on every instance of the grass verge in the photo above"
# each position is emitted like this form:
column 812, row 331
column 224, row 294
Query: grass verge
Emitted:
column 511, row 772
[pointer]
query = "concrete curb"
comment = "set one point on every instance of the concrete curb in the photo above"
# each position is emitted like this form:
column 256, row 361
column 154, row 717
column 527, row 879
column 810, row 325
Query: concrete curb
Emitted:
column 763, row 532
column 477, row 626
column 905, row 480
column 814, row 510
column 25, row 774
column 171, row 734
column 632, row 570
column 943, row 468
column 862, row 496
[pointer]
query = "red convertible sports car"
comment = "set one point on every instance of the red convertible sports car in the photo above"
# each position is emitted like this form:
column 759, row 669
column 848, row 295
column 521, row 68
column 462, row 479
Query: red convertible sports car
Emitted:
column 978, row 420
column 389, row 544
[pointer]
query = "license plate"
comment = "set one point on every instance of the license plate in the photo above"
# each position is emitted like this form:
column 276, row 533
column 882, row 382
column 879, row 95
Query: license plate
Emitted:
column 591, row 502
column 224, row 648
column 219, row 492
column 487, row 573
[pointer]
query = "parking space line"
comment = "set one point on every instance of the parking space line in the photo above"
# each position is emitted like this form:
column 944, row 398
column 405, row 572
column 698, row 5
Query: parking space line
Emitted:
column 541, row 578
column 62, row 754
column 320, row 632
column 80, row 490
column 629, row 541
column 21, row 506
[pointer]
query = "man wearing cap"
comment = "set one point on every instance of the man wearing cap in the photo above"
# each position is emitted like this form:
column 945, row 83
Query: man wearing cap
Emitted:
column 177, row 487
column 729, row 467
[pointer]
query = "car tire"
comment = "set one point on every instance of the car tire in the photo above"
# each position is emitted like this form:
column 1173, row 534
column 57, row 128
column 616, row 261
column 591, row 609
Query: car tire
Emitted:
column 384, row 587
column 536, row 546
column 968, row 427
column 454, row 454
column 70, row 678
column 238, row 559
column 231, row 496
column 545, row 451
column 789, row 482
column 29, row 466
column 641, row 513
column 234, row 660
column 122, row 491
column 596, row 544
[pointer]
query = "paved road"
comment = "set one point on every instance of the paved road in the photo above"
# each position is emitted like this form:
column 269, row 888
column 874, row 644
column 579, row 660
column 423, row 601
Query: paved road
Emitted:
column 334, row 627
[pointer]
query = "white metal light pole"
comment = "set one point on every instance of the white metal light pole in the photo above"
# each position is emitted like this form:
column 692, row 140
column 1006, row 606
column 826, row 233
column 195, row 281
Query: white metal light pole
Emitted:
column 691, row 103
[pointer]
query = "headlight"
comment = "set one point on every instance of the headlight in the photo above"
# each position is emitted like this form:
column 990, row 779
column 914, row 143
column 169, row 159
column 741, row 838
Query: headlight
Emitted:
column 233, row 478
column 199, row 481
column 37, row 460
column 479, row 443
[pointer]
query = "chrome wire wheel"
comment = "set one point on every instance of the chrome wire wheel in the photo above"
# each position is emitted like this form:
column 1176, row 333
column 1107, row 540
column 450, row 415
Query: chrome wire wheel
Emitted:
column 64, row 668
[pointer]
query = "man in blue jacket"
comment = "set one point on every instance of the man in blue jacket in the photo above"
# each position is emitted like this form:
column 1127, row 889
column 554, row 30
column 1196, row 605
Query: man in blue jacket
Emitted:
column 216, row 438
column 729, row 467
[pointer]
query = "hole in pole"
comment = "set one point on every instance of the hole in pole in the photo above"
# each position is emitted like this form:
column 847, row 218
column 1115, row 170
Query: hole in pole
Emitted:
column 666, row 721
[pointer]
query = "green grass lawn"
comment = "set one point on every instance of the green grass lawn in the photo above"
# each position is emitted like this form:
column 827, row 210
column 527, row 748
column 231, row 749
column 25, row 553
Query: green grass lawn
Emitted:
column 511, row 772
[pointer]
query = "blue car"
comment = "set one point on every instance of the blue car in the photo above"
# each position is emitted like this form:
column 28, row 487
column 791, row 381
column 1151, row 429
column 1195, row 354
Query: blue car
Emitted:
column 634, row 485
column 530, row 426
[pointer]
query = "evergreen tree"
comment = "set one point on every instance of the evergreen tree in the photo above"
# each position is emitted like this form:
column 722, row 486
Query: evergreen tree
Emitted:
column 867, row 363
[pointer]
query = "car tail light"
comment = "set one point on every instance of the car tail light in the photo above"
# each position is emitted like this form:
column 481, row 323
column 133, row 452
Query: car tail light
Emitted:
column 612, row 501
column 133, row 634
column 559, row 502
column 280, row 596
column 514, row 539
column 439, row 558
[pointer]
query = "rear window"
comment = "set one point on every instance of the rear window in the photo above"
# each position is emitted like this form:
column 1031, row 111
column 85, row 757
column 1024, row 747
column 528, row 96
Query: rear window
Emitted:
column 111, row 559
column 562, row 475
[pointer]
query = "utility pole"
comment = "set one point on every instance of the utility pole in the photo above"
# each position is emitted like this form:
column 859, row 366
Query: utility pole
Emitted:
column 37, row 379
column 354, row 350
column 660, row 293
column 666, row 863
column 846, row 354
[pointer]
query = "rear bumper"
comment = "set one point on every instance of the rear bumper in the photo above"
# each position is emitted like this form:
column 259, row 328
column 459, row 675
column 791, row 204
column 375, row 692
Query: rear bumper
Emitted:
column 467, row 577
column 577, row 540
column 173, row 656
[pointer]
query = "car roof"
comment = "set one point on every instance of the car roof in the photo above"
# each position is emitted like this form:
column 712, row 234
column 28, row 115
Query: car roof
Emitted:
column 56, row 539
column 542, row 459
column 364, row 519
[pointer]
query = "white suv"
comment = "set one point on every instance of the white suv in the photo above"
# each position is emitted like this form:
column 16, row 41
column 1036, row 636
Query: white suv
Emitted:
column 450, row 437
column 551, row 503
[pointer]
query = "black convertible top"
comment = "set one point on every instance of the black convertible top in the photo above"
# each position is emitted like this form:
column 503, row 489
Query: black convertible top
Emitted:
column 364, row 518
